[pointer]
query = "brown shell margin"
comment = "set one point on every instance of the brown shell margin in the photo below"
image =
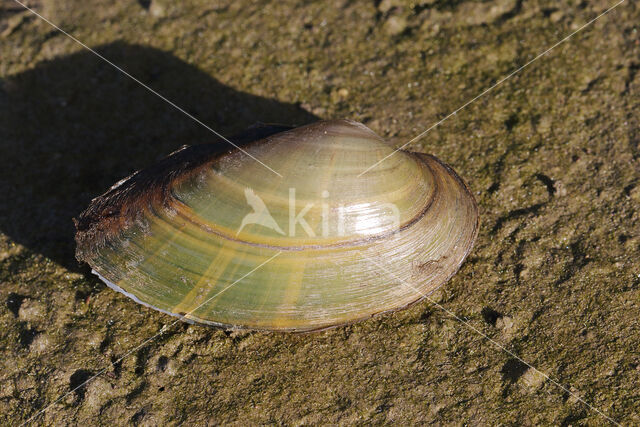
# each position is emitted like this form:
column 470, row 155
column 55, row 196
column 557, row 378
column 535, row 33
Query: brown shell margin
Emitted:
column 126, row 201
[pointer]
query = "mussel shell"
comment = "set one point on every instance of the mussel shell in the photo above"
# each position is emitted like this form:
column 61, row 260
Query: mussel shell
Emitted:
column 172, row 237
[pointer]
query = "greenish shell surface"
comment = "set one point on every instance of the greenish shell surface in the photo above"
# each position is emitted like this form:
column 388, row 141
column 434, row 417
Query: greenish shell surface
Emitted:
column 222, row 240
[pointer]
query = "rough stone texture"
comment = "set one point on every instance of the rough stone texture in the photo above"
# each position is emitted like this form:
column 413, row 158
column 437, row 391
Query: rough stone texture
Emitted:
column 552, row 154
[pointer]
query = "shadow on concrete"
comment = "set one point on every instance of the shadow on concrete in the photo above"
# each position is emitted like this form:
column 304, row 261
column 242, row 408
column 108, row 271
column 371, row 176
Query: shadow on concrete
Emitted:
column 73, row 126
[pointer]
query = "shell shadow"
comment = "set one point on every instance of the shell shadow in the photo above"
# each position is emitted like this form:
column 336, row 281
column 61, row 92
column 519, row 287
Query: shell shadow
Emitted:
column 73, row 126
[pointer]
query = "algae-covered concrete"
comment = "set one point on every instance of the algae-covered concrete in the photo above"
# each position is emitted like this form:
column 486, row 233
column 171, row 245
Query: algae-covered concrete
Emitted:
column 552, row 155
